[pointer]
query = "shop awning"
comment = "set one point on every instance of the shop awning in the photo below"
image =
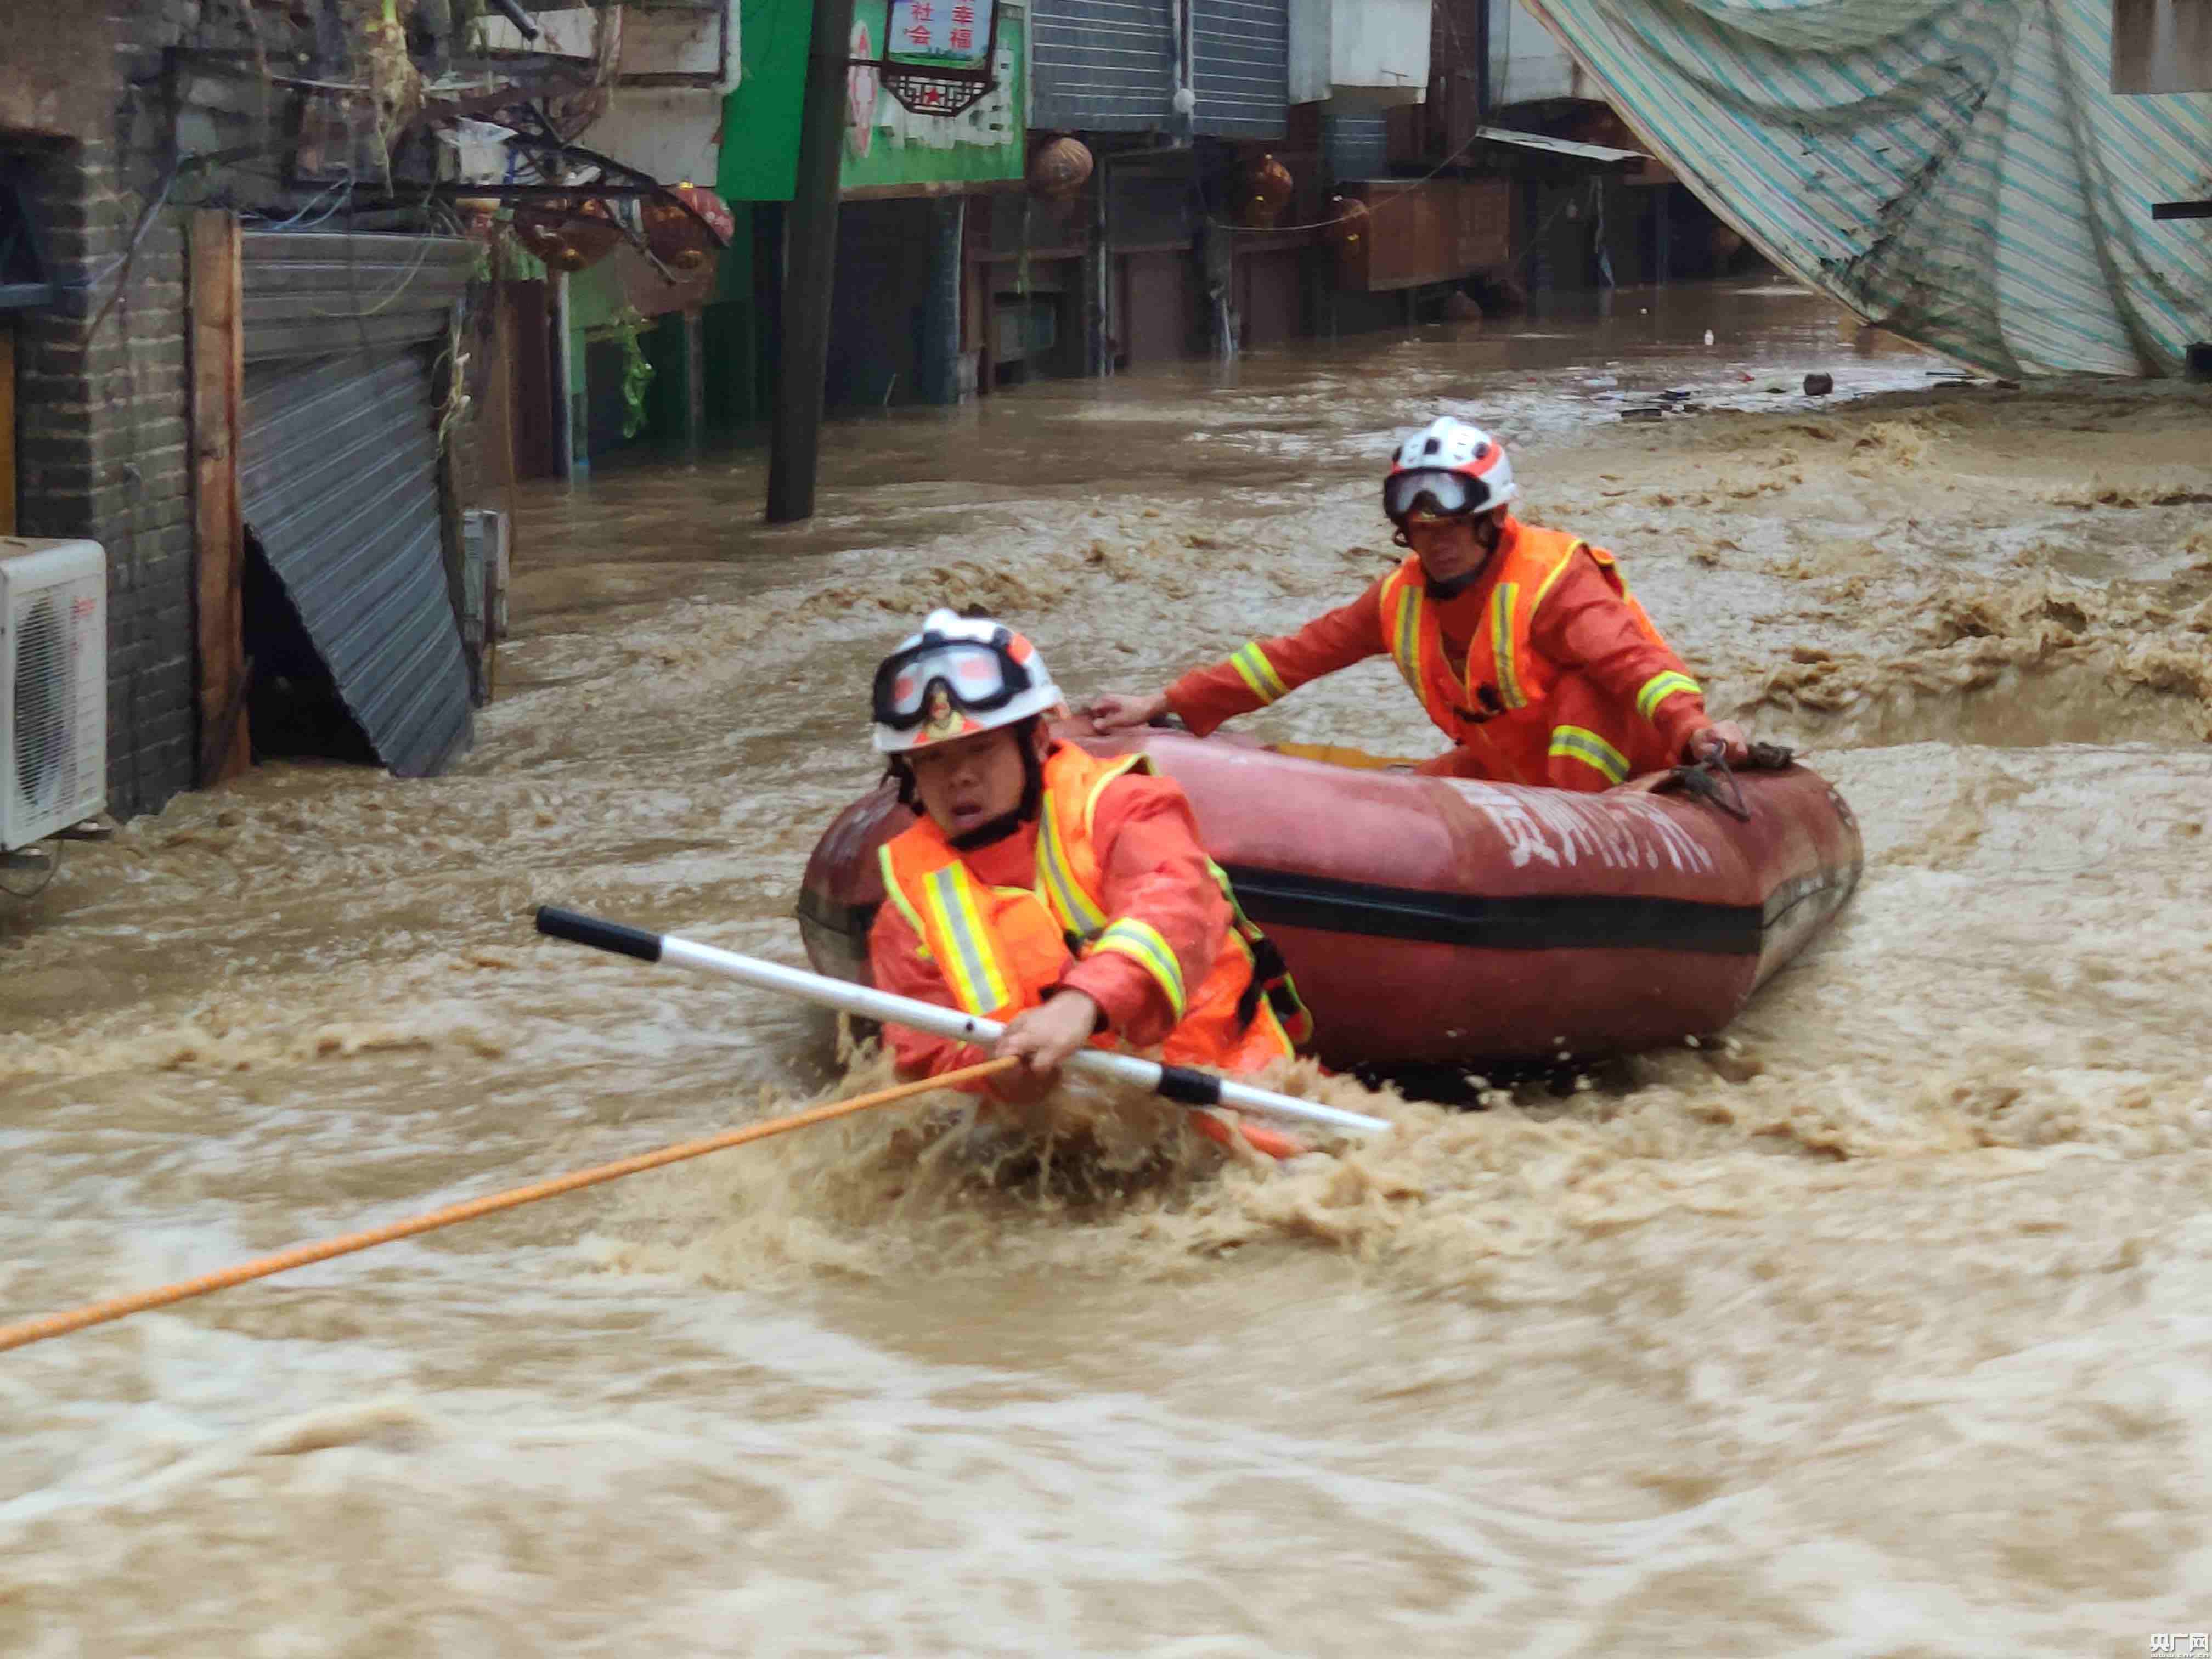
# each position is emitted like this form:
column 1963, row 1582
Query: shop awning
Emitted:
column 1598, row 154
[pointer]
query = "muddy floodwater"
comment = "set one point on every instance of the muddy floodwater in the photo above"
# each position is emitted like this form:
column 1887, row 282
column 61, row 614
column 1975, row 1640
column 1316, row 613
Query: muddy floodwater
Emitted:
column 1880, row 1328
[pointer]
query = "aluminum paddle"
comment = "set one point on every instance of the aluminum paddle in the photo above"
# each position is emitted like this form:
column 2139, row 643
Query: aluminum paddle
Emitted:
column 1180, row 1084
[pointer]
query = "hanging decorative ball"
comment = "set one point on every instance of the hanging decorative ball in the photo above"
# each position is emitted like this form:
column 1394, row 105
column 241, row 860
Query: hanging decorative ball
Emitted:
column 677, row 240
column 1347, row 224
column 1059, row 169
column 1263, row 191
column 568, row 233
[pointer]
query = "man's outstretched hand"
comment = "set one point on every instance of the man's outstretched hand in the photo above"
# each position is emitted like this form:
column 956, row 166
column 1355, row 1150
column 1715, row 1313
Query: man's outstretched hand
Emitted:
column 1117, row 709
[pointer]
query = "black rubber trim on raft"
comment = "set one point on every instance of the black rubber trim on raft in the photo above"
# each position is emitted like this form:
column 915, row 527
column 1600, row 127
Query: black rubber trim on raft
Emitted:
column 1188, row 1088
column 1545, row 922
column 1325, row 905
column 600, row 935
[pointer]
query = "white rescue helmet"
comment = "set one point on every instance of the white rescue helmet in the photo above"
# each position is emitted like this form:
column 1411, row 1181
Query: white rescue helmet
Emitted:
column 1447, row 468
column 958, row 675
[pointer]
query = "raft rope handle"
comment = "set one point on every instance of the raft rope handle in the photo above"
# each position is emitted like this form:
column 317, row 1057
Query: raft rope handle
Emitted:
column 1704, row 777
column 301, row 1255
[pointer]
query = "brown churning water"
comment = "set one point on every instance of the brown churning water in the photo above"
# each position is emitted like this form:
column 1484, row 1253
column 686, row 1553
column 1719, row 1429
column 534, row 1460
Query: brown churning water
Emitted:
column 1880, row 1328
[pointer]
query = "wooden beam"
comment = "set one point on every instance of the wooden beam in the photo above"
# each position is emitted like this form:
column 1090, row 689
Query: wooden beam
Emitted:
column 218, row 388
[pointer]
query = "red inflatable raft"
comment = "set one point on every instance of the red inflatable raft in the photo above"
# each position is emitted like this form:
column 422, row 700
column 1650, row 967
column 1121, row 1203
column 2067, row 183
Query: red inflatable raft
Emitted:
column 1432, row 919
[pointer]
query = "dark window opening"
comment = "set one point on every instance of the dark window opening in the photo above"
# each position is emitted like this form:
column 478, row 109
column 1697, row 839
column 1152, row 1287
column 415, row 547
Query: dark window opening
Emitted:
column 24, row 281
column 292, row 702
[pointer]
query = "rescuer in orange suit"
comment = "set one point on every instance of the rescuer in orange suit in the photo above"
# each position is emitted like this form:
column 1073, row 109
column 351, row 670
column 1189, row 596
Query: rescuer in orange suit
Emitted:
column 1523, row 645
column 1064, row 896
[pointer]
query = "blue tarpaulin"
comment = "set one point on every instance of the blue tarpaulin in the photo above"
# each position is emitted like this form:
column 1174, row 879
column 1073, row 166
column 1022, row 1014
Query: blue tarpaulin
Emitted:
column 1956, row 171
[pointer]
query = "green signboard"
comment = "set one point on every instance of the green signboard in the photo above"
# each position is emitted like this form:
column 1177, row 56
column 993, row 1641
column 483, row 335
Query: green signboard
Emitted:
column 884, row 143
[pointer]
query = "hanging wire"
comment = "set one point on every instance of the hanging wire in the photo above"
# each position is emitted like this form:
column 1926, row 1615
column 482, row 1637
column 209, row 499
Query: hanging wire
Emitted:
column 407, row 279
column 119, row 267
column 342, row 189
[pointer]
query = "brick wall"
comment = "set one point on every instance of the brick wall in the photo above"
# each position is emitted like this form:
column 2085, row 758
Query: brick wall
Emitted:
column 101, row 442
column 102, row 377
column 115, row 137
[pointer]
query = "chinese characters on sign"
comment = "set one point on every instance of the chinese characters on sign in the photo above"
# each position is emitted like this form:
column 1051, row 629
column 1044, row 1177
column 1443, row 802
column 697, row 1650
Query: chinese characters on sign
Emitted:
column 943, row 33
column 2179, row 1643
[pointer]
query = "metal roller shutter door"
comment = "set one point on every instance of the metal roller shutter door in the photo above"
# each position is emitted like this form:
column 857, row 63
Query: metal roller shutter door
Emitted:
column 337, row 476
column 338, row 471
column 1101, row 66
column 1240, row 67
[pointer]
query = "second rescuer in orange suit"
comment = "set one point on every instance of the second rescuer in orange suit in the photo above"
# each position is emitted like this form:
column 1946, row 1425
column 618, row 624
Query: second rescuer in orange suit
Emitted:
column 1524, row 644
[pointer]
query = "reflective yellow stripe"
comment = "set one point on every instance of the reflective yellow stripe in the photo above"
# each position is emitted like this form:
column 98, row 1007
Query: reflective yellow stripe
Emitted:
column 1114, row 769
column 1501, row 643
column 1142, row 941
column 1251, row 662
column 1660, row 687
column 971, row 964
column 1073, row 907
column 1558, row 571
column 892, row 891
column 897, row 895
column 1574, row 743
column 1406, row 637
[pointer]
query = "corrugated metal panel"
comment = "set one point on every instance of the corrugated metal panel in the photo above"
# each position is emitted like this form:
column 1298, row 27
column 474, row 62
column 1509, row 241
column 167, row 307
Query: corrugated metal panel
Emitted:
column 337, row 473
column 310, row 293
column 1358, row 146
column 1102, row 65
column 1240, row 67
column 1955, row 170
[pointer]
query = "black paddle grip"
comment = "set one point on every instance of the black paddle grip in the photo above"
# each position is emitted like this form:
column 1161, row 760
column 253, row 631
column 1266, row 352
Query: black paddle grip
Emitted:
column 599, row 935
column 1186, row 1087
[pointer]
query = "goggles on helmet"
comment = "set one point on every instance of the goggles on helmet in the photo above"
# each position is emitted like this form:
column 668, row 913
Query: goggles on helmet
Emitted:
column 977, row 677
column 1439, row 493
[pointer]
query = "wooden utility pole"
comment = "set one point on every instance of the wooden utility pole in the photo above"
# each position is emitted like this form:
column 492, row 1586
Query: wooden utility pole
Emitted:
column 810, row 271
column 218, row 390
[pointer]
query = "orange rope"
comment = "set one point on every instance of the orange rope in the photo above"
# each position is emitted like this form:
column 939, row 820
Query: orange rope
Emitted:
column 100, row 1313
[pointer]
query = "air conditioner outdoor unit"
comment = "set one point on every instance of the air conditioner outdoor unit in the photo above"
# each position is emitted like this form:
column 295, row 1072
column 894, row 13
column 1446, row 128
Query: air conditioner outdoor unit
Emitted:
column 54, row 687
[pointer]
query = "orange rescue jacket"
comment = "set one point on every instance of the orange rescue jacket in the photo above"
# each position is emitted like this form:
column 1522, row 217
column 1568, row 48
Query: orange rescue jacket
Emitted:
column 1495, row 703
column 1002, row 949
